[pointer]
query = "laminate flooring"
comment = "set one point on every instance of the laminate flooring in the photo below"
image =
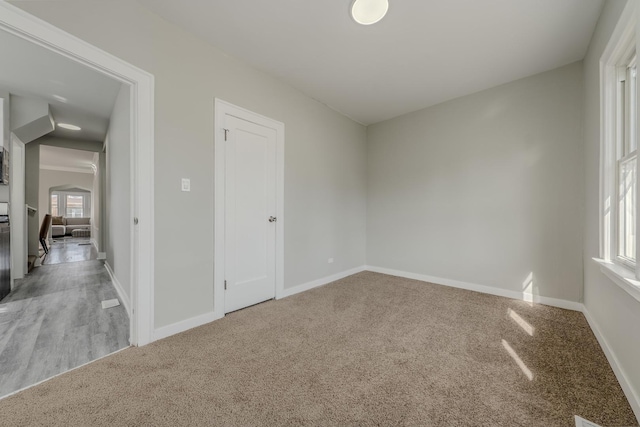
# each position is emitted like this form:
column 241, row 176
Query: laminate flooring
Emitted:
column 70, row 249
column 53, row 321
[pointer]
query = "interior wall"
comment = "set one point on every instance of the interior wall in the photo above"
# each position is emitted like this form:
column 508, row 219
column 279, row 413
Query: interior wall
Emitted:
column 6, row 118
column 102, row 184
column 51, row 178
column 615, row 313
column 117, row 198
column 5, row 133
column 32, row 194
column 73, row 144
column 18, row 214
column 325, row 153
column 485, row 189
column 96, row 213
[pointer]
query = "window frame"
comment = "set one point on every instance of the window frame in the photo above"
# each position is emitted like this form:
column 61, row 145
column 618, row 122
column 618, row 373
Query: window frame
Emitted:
column 57, row 204
column 62, row 201
column 626, row 120
column 66, row 204
column 619, row 51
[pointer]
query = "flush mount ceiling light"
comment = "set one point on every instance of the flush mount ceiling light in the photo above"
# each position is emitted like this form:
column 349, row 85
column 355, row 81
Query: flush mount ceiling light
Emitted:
column 68, row 126
column 367, row 12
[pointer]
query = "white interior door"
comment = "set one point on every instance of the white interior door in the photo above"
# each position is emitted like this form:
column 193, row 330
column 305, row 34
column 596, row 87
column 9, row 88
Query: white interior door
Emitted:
column 250, row 213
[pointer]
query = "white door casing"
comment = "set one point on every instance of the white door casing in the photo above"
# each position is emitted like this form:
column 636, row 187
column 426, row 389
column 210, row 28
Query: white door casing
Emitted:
column 18, row 214
column 26, row 26
column 249, row 205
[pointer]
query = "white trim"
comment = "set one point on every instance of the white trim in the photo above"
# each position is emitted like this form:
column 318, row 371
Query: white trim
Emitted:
column 627, row 388
column 19, row 210
column 554, row 302
column 221, row 109
column 621, row 276
column 622, row 37
column 20, row 23
column 287, row 292
column 184, row 325
column 124, row 298
column 67, row 169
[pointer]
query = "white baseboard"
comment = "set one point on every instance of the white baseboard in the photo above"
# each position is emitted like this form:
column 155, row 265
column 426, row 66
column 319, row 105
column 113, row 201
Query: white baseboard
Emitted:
column 287, row 292
column 629, row 392
column 124, row 299
column 183, row 325
column 554, row 302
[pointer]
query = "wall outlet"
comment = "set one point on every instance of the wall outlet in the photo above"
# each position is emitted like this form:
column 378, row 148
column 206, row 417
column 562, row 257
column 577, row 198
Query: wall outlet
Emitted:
column 330, row 261
column 186, row 184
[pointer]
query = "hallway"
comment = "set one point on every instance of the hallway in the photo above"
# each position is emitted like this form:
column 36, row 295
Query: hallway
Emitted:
column 70, row 249
column 54, row 321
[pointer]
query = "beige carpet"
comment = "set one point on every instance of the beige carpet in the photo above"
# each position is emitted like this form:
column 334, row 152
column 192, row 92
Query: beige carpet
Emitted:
column 366, row 350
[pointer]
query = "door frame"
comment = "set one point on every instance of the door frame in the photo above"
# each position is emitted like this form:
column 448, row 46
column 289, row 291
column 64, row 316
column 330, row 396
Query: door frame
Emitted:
column 28, row 27
column 223, row 108
column 18, row 212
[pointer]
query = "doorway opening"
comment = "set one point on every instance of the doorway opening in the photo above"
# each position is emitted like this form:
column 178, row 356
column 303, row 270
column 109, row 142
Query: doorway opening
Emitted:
column 41, row 111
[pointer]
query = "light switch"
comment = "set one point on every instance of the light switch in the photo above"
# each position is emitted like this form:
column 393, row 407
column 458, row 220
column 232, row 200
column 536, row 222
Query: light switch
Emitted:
column 186, row 184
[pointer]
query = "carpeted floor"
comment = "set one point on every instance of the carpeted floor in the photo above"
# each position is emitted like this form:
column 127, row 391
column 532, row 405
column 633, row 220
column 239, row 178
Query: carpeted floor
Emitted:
column 367, row 350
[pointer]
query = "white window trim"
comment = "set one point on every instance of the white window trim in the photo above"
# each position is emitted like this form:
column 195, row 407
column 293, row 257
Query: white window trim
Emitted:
column 621, row 276
column 617, row 49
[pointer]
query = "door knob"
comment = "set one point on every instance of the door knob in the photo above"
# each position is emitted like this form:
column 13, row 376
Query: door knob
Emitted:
column 272, row 219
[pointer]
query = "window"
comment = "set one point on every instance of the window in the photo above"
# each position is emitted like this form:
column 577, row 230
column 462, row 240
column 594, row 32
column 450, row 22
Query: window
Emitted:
column 74, row 206
column 626, row 162
column 619, row 156
column 74, row 203
column 54, row 205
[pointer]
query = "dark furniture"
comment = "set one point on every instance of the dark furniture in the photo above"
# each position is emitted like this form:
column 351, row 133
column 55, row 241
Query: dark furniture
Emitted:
column 44, row 232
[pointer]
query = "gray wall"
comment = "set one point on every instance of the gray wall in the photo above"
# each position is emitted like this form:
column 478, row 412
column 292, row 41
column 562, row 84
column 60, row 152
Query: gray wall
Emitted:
column 118, row 218
column 5, row 137
column 96, row 204
column 484, row 189
column 32, row 193
column 325, row 153
column 615, row 312
column 6, row 118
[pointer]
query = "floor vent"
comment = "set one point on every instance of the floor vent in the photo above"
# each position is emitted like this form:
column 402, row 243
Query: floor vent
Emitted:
column 114, row 303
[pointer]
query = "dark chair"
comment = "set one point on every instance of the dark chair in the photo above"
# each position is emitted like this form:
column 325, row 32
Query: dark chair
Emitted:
column 44, row 232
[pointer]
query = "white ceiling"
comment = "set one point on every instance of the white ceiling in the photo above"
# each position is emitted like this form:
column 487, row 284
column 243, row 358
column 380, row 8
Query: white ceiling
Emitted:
column 422, row 53
column 56, row 158
column 75, row 93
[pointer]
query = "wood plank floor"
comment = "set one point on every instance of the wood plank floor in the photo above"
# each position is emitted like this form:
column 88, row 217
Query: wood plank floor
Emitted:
column 53, row 321
column 70, row 249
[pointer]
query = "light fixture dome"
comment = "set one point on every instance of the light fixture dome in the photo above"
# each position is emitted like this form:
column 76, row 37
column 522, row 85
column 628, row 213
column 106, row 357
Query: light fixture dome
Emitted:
column 367, row 12
column 69, row 126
